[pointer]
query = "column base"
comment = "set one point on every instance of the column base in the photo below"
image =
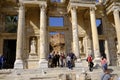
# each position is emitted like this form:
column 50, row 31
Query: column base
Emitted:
column 97, row 62
column 78, row 63
column 43, row 63
column 18, row 64
column 33, row 62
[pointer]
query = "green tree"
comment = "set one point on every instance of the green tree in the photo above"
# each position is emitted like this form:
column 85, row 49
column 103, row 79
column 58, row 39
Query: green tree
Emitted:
column 11, row 24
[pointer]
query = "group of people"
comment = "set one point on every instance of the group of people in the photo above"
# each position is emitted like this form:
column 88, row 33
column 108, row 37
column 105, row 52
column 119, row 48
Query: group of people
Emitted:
column 104, row 64
column 59, row 59
column 106, row 72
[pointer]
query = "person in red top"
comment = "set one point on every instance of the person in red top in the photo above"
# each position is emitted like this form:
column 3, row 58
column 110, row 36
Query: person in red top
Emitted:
column 90, row 62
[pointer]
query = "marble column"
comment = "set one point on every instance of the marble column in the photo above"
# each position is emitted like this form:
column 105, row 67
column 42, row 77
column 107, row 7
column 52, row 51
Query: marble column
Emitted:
column 116, row 14
column 94, row 34
column 43, row 37
column 20, row 49
column 117, row 26
column 107, row 52
column 75, row 33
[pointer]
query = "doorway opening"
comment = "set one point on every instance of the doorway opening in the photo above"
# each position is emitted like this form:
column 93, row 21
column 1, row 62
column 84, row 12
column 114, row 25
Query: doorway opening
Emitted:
column 102, row 48
column 9, row 53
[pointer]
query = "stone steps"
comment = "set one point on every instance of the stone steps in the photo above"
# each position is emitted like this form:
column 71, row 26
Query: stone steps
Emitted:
column 55, row 74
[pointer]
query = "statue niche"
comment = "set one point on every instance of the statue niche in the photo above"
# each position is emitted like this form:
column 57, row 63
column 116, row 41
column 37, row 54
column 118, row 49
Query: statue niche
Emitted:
column 33, row 44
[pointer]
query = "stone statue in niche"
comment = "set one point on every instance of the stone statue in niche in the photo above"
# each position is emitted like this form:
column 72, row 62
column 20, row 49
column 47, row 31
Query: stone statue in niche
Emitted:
column 33, row 46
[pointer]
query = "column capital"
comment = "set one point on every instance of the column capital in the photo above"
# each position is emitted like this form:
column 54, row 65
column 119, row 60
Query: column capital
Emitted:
column 116, row 10
column 92, row 8
column 21, row 5
column 43, row 5
column 73, row 7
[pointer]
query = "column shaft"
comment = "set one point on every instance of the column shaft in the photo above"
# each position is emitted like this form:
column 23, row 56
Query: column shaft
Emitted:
column 117, row 26
column 94, row 34
column 43, row 34
column 75, row 32
column 20, row 31
column 107, row 51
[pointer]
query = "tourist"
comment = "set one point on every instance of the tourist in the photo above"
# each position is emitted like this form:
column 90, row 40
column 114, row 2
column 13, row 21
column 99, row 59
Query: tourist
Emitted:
column 90, row 62
column 73, row 58
column 57, row 56
column 104, row 63
column 1, row 61
column 50, row 57
column 62, row 59
column 68, row 61
column 106, row 75
column 54, row 60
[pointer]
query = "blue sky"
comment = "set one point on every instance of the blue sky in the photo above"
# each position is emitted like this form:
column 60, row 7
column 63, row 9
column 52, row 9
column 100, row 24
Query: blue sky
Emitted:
column 58, row 21
column 98, row 22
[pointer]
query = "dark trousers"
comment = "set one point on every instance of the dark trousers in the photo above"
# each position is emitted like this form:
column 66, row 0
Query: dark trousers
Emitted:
column 91, row 66
column 69, row 64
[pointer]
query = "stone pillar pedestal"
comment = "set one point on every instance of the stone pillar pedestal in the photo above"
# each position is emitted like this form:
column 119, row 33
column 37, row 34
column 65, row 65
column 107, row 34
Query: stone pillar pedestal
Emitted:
column 33, row 62
column 78, row 63
column 43, row 63
column 18, row 64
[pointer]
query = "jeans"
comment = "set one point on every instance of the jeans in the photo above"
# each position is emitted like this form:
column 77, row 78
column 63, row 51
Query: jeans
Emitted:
column 69, row 64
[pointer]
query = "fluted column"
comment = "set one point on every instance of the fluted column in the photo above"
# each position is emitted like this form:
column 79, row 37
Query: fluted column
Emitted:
column 43, row 36
column 94, row 34
column 75, row 32
column 117, row 26
column 20, row 31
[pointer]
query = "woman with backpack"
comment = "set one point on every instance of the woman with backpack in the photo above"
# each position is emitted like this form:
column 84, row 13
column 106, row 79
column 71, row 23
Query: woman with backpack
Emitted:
column 90, row 62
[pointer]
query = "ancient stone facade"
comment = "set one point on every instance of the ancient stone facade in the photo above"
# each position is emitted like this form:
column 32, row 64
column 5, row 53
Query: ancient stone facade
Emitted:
column 57, row 42
column 23, row 20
